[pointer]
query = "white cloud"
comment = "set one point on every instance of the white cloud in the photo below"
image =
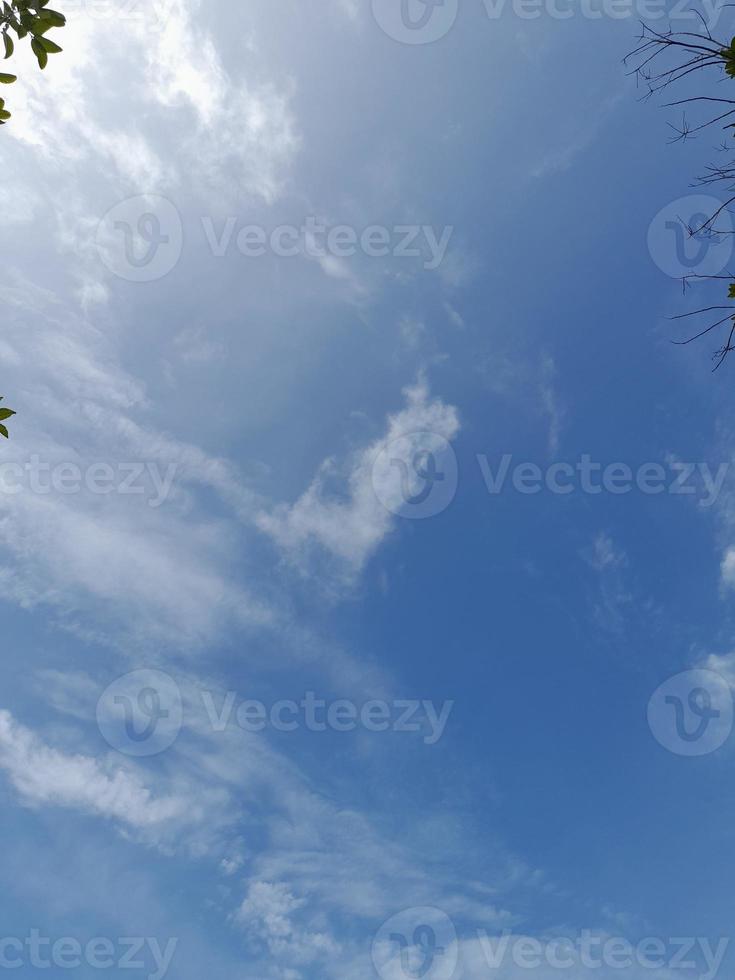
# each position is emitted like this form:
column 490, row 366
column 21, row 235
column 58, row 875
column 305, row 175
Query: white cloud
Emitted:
column 613, row 603
column 604, row 553
column 455, row 317
column 244, row 132
column 44, row 775
column 723, row 664
column 268, row 915
column 173, row 63
column 163, row 570
column 351, row 527
column 530, row 383
column 727, row 568
column 138, row 566
column 550, row 402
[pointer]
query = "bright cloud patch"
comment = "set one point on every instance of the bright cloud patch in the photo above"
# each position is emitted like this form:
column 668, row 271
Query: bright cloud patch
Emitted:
column 46, row 776
column 352, row 526
column 268, row 915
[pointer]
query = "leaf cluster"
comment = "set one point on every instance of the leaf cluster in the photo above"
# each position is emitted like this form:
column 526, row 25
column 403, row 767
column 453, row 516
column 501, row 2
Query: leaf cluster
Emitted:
column 20, row 19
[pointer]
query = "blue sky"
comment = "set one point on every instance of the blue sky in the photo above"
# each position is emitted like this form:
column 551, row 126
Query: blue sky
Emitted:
column 265, row 478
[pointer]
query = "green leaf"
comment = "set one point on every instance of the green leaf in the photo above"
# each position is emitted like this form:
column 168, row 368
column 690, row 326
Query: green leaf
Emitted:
column 4, row 432
column 731, row 293
column 6, row 413
column 40, row 52
column 50, row 46
column 49, row 19
column 4, row 114
column 7, row 79
column 9, row 46
column 56, row 19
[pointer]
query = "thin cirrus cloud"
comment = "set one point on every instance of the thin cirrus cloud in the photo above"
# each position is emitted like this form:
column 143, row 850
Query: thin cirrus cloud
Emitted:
column 113, row 548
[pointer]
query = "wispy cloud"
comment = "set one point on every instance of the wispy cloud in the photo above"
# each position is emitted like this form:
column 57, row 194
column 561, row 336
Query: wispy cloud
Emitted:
column 613, row 597
column 563, row 157
column 350, row 524
column 43, row 775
